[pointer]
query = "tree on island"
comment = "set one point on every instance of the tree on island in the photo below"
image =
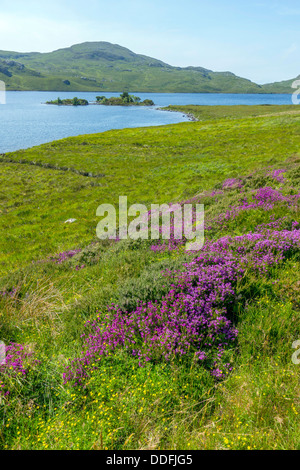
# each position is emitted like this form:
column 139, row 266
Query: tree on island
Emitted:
column 129, row 98
column 75, row 101
column 148, row 102
column 125, row 99
column 69, row 102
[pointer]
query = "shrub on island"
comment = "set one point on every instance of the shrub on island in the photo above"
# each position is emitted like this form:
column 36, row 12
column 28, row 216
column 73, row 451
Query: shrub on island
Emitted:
column 123, row 100
column 69, row 102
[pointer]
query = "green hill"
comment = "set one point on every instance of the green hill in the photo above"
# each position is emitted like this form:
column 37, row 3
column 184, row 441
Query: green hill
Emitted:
column 280, row 87
column 101, row 66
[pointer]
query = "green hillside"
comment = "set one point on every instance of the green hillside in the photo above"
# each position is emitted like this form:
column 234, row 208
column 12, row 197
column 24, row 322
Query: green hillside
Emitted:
column 101, row 66
column 281, row 87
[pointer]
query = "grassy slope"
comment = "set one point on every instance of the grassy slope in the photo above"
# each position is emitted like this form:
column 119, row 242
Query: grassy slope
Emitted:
column 108, row 67
column 281, row 87
column 206, row 113
column 172, row 162
column 160, row 406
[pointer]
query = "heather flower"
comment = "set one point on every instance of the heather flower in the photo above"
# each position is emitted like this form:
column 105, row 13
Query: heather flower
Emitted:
column 277, row 175
column 193, row 318
column 8, row 293
column 16, row 366
column 65, row 255
column 232, row 183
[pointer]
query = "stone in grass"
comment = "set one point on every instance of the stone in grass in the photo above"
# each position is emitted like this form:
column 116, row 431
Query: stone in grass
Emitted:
column 69, row 221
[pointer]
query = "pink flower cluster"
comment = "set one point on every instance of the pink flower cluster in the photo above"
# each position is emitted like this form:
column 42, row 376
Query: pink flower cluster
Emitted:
column 278, row 175
column 63, row 256
column 16, row 364
column 193, row 318
column 232, row 183
column 8, row 293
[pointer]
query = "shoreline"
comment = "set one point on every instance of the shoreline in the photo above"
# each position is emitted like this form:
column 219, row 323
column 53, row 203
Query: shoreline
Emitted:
column 153, row 92
column 190, row 116
column 4, row 153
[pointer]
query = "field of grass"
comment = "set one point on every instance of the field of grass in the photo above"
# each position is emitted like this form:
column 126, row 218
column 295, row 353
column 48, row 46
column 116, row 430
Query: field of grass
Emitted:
column 58, row 283
column 206, row 113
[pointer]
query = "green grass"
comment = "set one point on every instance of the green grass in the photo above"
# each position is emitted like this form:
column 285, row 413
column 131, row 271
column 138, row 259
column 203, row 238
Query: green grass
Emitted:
column 284, row 86
column 149, row 165
column 162, row 406
column 205, row 113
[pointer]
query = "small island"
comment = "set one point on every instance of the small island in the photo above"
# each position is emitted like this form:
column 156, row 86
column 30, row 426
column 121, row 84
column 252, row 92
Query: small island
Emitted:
column 123, row 100
column 69, row 102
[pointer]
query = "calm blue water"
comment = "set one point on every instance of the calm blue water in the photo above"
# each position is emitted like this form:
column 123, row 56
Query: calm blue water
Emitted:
column 26, row 121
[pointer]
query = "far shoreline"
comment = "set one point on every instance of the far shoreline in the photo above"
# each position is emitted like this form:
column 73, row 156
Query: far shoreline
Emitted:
column 153, row 92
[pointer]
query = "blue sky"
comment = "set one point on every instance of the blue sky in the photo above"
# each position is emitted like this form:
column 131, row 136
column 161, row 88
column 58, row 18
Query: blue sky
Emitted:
column 259, row 40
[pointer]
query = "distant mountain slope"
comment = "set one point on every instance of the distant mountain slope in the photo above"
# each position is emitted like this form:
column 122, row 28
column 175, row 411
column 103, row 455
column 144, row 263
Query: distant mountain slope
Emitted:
column 281, row 87
column 101, row 66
